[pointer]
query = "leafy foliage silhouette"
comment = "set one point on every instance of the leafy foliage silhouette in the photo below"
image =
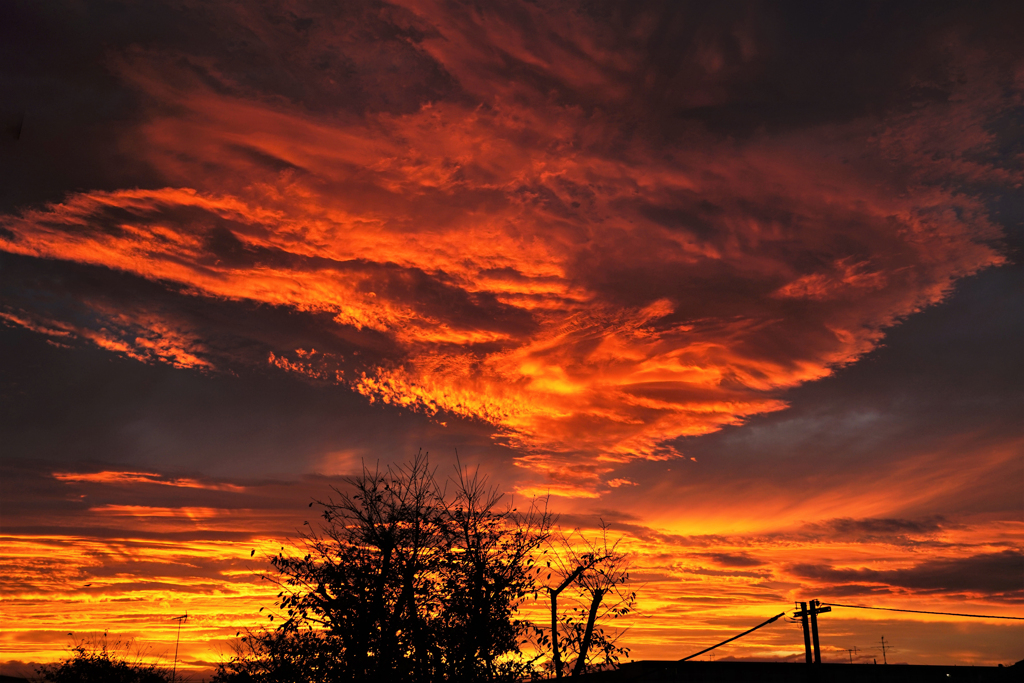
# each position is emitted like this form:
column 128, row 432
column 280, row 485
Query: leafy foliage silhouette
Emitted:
column 599, row 572
column 103, row 661
column 406, row 581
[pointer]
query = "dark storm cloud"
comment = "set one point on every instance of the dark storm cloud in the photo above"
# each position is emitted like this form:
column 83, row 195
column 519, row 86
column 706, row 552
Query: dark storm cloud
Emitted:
column 72, row 107
column 736, row 560
column 895, row 531
column 991, row 574
column 752, row 65
column 736, row 67
column 62, row 406
column 701, row 571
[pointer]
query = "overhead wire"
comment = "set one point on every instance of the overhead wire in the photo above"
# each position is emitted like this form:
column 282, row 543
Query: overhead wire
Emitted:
column 764, row 623
column 919, row 611
column 836, row 604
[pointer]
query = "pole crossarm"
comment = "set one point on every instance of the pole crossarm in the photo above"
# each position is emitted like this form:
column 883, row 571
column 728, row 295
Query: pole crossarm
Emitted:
column 815, row 608
column 764, row 623
column 918, row 611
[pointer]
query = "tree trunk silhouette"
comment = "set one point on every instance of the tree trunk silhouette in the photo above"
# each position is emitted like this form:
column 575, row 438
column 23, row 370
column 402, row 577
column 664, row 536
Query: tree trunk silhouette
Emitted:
column 589, row 633
column 555, row 654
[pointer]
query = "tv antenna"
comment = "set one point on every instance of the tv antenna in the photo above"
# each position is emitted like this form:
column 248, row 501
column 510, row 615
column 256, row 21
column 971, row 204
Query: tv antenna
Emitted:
column 885, row 645
column 182, row 618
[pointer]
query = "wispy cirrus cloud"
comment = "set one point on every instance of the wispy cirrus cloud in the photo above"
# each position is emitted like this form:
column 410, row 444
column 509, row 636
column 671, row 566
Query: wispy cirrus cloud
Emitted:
column 133, row 478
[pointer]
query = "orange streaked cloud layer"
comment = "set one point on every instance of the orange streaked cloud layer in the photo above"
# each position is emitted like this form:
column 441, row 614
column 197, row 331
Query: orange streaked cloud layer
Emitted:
column 163, row 560
column 128, row 478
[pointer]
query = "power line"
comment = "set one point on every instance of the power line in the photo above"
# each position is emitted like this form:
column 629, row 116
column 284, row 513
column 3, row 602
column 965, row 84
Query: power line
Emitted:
column 764, row 623
column 918, row 611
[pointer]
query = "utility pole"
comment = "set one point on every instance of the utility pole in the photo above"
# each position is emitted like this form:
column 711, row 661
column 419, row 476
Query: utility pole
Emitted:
column 851, row 651
column 814, row 629
column 812, row 610
column 177, row 638
column 884, row 645
column 807, row 631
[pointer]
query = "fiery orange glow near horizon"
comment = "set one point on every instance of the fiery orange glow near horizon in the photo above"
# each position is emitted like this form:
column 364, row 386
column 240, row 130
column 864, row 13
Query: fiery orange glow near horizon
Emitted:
column 695, row 585
column 579, row 243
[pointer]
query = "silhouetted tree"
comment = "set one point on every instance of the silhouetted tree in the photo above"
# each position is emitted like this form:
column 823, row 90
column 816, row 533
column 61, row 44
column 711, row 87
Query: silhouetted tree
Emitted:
column 596, row 572
column 488, row 570
column 103, row 661
column 403, row 582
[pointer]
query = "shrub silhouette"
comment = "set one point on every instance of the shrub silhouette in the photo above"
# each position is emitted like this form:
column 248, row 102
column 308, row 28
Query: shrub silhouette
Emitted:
column 103, row 661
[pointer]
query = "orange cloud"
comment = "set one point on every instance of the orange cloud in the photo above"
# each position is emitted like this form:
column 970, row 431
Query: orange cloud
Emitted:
column 144, row 511
column 130, row 478
column 519, row 259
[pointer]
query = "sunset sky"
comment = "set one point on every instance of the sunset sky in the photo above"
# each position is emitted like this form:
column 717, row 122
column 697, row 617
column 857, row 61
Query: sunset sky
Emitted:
column 743, row 280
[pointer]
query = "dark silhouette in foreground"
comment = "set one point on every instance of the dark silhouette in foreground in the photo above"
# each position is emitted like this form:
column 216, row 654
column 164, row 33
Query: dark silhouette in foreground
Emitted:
column 404, row 581
column 103, row 661
column 783, row 672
